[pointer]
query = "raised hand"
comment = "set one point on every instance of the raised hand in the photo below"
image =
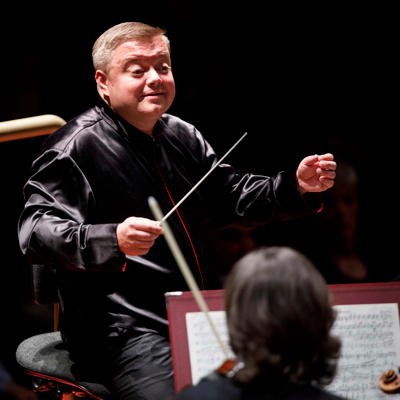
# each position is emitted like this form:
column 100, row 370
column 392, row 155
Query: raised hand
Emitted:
column 316, row 173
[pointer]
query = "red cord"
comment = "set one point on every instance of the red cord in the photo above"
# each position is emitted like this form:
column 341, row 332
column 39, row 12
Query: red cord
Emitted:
column 185, row 229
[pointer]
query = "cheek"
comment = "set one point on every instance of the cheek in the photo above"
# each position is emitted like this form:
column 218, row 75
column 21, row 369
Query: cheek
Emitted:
column 128, row 93
column 170, row 84
column 126, row 85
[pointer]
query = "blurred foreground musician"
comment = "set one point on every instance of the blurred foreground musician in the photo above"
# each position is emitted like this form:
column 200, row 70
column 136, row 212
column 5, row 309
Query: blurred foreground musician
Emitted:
column 284, row 346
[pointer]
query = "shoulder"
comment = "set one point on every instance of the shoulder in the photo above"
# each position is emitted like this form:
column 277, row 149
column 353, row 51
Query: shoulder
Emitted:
column 173, row 122
column 90, row 126
column 85, row 138
column 312, row 393
column 213, row 387
column 185, row 136
column 176, row 127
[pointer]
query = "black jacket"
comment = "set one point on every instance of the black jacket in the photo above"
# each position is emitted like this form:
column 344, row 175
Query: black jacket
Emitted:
column 98, row 170
column 218, row 387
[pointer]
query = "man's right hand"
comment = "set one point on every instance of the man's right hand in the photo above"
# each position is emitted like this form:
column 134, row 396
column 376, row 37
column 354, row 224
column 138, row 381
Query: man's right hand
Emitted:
column 136, row 235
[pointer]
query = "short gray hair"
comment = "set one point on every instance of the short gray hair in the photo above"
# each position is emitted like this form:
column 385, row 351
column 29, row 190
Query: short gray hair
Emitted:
column 118, row 34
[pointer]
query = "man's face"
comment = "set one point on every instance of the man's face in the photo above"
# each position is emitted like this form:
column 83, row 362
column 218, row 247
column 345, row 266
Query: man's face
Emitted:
column 139, row 85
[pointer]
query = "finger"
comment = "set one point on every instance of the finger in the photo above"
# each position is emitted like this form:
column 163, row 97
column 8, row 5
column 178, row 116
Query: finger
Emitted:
column 143, row 244
column 326, row 173
column 326, row 156
column 328, row 165
column 310, row 160
column 141, row 252
column 137, row 248
column 143, row 235
column 326, row 182
column 142, row 247
column 146, row 225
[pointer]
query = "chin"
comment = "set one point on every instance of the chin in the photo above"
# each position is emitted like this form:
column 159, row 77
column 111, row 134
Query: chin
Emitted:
column 155, row 111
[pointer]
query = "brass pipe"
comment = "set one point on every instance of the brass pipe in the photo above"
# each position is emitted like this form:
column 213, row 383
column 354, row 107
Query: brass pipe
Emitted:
column 29, row 127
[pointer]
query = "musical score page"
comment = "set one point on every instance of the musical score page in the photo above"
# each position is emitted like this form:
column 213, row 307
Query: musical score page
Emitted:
column 204, row 351
column 370, row 335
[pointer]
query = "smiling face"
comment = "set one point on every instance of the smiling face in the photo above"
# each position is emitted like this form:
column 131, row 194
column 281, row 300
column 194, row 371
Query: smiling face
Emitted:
column 138, row 83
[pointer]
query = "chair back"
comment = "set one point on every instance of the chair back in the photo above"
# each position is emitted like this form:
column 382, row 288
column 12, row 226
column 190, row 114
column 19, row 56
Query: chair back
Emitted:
column 44, row 288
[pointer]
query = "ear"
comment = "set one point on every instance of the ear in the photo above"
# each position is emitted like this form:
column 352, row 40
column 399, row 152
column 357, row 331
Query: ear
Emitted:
column 102, row 84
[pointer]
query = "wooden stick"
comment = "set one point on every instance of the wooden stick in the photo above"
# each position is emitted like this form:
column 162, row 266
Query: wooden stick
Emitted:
column 187, row 274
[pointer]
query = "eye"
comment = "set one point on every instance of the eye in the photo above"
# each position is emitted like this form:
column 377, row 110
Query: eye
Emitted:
column 163, row 69
column 137, row 72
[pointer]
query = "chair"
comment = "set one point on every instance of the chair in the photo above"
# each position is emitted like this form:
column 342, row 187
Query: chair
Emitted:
column 44, row 356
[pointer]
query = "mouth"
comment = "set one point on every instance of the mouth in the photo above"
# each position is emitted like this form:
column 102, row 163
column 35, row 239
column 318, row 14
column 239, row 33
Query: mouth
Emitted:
column 153, row 94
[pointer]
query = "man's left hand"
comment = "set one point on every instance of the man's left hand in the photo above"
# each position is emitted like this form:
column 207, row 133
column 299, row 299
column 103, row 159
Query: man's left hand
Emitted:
column 316, row 173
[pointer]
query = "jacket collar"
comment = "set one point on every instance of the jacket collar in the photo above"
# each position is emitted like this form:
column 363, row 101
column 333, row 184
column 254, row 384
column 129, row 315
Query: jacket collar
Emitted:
column 124, row 127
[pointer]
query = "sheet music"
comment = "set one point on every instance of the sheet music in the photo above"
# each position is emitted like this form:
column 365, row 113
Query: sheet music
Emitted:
column 370, row 336
column 204, row 351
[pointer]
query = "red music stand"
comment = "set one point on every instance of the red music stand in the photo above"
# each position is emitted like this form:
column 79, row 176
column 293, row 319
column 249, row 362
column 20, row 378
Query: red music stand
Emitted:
column 180, row 303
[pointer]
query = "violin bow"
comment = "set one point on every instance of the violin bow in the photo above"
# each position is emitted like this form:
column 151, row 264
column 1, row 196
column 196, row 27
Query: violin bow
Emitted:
column 187, row 274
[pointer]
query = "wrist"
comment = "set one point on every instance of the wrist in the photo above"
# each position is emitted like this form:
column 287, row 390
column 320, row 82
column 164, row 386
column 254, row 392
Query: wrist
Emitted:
column 300, row 189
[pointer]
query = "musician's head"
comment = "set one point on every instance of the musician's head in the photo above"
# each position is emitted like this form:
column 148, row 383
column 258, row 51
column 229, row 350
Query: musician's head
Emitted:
column 280, row 317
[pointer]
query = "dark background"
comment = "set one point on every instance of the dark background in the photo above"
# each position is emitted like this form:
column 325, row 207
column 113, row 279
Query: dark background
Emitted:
column 300, row 79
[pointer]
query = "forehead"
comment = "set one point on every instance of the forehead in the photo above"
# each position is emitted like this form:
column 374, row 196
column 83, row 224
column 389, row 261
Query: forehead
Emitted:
column 154, row 47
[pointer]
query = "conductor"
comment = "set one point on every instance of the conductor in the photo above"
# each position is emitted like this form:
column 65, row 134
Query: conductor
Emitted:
column 86, row 216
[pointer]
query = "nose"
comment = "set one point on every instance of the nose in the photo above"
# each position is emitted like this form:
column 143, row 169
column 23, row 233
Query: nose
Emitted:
column 153, row 78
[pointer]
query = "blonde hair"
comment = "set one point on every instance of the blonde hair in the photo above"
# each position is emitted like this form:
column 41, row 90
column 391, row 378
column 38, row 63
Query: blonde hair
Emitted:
column 107, row 42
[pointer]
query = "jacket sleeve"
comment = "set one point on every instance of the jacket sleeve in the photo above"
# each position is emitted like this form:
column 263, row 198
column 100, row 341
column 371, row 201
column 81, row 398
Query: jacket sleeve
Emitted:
column 54, row 228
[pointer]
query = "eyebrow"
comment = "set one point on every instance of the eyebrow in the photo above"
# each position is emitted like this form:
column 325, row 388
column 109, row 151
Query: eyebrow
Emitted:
column 135, row 59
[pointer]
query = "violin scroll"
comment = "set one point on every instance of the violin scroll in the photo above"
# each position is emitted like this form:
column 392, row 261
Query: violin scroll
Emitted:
column 389, row 382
